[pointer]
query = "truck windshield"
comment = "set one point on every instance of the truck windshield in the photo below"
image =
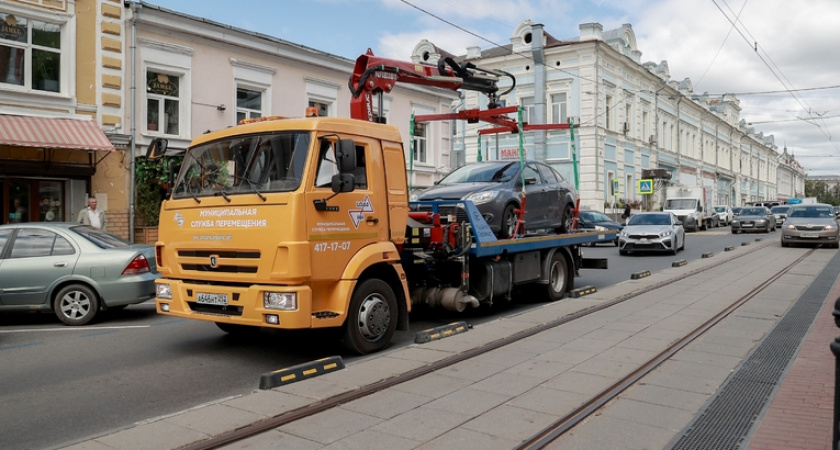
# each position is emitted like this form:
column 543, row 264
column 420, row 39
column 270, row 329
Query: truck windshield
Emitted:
column 680, row 203
column 259, row 163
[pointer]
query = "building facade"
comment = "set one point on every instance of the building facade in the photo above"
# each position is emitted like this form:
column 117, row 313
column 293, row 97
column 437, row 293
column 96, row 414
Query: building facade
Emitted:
column 61, row 110
column 629, row 116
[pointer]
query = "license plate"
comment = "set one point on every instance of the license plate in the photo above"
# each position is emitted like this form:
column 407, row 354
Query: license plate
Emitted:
column 810, row 235
column 644, row 241
column 211, row 299
column 746, row 225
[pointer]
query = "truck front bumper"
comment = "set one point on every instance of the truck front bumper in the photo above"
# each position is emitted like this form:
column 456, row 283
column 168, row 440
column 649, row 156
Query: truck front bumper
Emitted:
column 240, row 305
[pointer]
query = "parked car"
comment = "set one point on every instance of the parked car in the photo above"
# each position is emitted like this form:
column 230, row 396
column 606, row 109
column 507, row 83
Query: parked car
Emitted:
column 725, row 214
column 811, row 224
column 495, row 188
column 72, row 270
column 754, row 218
column 780, row 213
column 652, row 232
column 598, row 221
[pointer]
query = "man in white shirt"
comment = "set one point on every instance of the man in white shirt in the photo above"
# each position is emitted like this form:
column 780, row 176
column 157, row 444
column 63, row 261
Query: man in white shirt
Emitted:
column 92, row 216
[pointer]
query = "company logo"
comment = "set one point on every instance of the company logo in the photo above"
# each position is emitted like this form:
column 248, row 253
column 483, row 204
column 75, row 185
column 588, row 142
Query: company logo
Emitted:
column 179, row 219
column 214, row 261
column 357, row 215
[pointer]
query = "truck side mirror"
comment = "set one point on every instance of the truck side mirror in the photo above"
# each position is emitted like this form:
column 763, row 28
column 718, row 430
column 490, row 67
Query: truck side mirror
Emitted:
column 157, row 148
column 700, row 208
column 343, row 182
column 345, row 156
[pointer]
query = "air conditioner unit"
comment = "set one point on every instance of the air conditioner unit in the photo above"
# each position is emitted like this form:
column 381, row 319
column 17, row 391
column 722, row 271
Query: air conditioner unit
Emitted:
column 652, row 140
column 626, row 127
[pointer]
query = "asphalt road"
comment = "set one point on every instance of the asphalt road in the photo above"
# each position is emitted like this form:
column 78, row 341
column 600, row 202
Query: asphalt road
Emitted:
column 63, row 384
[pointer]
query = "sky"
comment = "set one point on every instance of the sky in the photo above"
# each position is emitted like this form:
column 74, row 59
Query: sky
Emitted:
column 781, row 58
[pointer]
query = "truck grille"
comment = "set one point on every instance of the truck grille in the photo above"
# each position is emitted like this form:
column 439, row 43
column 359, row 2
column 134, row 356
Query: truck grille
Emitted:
column 244, row 261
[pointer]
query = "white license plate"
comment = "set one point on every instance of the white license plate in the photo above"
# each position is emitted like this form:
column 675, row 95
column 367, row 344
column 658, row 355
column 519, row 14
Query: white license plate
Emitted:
column 211, row 299
column 644, row 241
column 746, row 225
column 810, row 235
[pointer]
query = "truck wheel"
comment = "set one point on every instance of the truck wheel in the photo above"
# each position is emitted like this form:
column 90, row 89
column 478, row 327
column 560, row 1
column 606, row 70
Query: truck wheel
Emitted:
column 558, row 277
column 371, row 319
column 508, row 226
column 76, row 304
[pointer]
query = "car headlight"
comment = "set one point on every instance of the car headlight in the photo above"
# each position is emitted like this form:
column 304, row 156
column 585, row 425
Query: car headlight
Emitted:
column 665, row 233
column 623, row 233
column 412, row 198
column 735, row 222
column 830, row 227
column 600, row 228
column 481, row 197
column 163, row 291
column 793, row 227
column 286, row 301
column 761, row 221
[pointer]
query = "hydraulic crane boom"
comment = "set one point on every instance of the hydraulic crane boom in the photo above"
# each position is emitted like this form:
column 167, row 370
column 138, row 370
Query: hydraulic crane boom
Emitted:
column 374, row 74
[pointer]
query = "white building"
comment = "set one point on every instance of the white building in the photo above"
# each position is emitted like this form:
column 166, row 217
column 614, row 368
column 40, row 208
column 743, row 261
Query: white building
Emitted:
column 631, row 116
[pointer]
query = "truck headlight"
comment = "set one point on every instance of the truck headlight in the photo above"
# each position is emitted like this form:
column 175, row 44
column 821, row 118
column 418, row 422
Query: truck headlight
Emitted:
column 286, row 301
column 163, row 291
column 481, row 197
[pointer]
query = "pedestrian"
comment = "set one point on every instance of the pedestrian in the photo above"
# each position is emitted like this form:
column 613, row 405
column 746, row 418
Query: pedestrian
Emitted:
column 92, row 216
column 20, row 212
column 626, row 214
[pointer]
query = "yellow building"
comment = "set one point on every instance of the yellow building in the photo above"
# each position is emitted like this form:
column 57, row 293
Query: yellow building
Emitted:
column 61, row 110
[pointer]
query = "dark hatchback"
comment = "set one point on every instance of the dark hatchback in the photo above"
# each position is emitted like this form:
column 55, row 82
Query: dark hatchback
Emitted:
column 598, row 221
column 495, row 188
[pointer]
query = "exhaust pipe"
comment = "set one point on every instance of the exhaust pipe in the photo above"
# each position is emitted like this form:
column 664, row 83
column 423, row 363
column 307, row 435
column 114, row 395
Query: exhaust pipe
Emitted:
column 449, row 298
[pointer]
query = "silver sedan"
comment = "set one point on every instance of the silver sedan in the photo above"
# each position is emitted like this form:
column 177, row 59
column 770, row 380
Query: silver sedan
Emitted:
column 652, row 232
column 72, row 270
column 811, row 224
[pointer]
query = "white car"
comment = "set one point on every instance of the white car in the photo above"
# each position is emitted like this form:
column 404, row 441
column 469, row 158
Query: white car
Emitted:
column 724, row 213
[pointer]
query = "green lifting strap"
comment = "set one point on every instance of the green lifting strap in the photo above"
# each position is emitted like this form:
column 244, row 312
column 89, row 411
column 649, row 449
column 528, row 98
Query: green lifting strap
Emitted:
column 479, row 147
column 574, row 153
column 410, row 151
column 521, row 146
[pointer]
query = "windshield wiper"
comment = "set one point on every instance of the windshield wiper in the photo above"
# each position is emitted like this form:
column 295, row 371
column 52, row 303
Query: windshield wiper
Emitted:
column 252, row 185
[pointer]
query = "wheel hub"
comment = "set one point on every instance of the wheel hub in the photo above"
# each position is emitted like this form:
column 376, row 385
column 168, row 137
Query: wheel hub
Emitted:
column 374, row 317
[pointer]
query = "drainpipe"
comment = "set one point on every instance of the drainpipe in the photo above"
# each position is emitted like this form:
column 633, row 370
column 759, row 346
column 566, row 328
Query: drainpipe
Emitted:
column 135, row 10
column 538, row 52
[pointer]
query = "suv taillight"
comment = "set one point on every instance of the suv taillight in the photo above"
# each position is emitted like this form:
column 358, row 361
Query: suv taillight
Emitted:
column 137, row 266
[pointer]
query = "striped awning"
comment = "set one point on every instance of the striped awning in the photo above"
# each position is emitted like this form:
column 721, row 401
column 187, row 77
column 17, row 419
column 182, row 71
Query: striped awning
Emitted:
column 29, row 131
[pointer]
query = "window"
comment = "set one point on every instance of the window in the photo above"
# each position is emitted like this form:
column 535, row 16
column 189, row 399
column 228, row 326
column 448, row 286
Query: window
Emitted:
column 248, row 104
column 608, row 112
column 30, row 43
column 162, row 103
column 527, row 104
column 32, row 242
column 420, row 130
column 322, row 108
column 559, row 112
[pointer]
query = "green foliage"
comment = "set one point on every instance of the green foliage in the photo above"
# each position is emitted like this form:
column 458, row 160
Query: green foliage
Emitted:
column 149, row 180
column 822, row 192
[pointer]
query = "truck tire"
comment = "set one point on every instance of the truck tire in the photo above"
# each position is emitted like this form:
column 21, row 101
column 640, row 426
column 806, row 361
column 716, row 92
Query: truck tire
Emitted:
column 558, row 279
column 371, row 319
column 76, row 304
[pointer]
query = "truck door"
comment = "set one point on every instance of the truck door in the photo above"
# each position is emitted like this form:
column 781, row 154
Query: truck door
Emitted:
column 351, row 220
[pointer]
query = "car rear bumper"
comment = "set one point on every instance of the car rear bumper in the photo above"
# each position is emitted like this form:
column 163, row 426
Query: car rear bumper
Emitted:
column 129, row 290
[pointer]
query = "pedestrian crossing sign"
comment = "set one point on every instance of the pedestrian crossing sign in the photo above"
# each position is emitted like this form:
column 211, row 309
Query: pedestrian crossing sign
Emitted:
column 646, row 186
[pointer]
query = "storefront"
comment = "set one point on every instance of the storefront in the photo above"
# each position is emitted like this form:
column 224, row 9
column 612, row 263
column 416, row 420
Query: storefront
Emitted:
column 46, row 165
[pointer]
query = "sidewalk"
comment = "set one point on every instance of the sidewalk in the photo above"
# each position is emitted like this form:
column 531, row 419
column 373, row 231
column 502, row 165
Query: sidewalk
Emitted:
column 508, row 394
